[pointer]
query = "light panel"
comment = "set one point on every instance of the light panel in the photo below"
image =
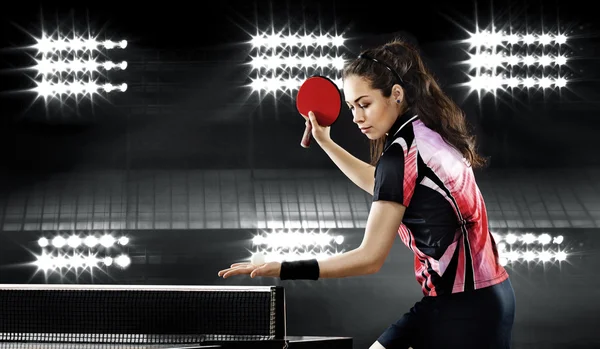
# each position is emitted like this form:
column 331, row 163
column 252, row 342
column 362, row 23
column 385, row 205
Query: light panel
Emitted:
column 283, row 62
column 81, row 252
column 75, row 67
column 530, row 249
column 514, row 61
column 291, row 245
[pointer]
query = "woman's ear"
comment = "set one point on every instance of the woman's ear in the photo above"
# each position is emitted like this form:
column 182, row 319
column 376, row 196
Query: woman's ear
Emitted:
column 398, row 93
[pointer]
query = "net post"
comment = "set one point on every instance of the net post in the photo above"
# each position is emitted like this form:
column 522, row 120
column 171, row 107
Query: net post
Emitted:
column 279, row 312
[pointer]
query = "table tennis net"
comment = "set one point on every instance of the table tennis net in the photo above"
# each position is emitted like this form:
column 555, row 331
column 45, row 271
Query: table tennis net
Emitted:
column 140, row 315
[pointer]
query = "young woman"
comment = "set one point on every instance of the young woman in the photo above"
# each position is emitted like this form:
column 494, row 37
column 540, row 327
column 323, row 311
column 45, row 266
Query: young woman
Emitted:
column 423, row 186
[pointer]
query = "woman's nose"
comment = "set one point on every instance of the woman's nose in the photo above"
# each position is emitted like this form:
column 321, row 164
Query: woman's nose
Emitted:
column 358, row 116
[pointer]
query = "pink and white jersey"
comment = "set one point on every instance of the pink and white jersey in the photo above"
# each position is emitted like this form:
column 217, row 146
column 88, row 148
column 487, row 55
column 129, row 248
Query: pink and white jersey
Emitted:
column 445, row 223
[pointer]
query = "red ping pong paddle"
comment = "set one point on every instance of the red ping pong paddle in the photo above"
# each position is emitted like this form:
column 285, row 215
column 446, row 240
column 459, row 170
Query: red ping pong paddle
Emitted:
column 321, row 96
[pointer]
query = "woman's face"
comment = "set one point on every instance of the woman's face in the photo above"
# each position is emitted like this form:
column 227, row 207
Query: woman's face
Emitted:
column 373, row 113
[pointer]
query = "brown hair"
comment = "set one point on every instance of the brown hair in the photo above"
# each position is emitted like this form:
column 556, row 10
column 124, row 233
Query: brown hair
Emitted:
column 422, row 94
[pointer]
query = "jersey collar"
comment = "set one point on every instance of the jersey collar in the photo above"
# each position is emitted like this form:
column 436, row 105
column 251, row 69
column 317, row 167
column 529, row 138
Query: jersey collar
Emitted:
column 401, row 122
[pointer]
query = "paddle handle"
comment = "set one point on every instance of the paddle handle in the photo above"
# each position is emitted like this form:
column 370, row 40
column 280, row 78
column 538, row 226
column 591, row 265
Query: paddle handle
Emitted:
column 305, row 143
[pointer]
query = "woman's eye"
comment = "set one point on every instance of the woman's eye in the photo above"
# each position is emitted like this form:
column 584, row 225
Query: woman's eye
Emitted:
column 361, row 106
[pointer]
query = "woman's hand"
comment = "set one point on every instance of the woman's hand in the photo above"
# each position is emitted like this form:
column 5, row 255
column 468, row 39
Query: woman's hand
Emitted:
column 272, row 269
column 320, row 133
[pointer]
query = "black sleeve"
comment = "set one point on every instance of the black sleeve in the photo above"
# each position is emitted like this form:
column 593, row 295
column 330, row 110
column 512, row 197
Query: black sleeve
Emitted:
column 391, row 181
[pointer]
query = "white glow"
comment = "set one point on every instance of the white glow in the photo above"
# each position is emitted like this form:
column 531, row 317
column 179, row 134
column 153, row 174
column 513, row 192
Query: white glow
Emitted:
column 123, row 261
column 54, row 66
column 487, row 38
column 492, row 83
column 43, row 242
column 511, row 238
column 527, row 238
column 107, row 240
column 48, row 44
column 281, row 62
column 48, row 88
column 272, row 85
column 78, row 261
column 297, row 40
column 545, row 239
column 74, row 241
column 77, row 241
column 58, row 242
column 291, row 239
column 489, row 60
column 91, row 241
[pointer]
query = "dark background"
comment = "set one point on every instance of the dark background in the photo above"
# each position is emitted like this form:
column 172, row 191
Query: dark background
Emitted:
column 186, row 109
column 186, row 106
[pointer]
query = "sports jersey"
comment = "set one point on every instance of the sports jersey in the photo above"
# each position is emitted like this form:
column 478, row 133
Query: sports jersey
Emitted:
column 445, row 222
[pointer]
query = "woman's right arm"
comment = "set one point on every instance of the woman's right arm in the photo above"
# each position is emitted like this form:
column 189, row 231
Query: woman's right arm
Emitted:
column 358, row 171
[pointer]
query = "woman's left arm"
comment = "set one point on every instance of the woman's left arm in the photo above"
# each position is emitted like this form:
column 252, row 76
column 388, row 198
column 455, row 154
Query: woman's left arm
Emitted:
column 384, row 220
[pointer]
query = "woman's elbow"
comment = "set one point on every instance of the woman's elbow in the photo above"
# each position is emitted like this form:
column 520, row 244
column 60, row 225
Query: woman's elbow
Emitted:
column 374, row 266
column 371, row 262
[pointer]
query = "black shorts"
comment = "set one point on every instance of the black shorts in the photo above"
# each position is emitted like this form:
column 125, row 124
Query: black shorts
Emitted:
column 480, row 319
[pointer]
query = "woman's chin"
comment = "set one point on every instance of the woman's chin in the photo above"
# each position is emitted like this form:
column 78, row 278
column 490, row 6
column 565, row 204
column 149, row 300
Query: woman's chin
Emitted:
column 372, row 136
